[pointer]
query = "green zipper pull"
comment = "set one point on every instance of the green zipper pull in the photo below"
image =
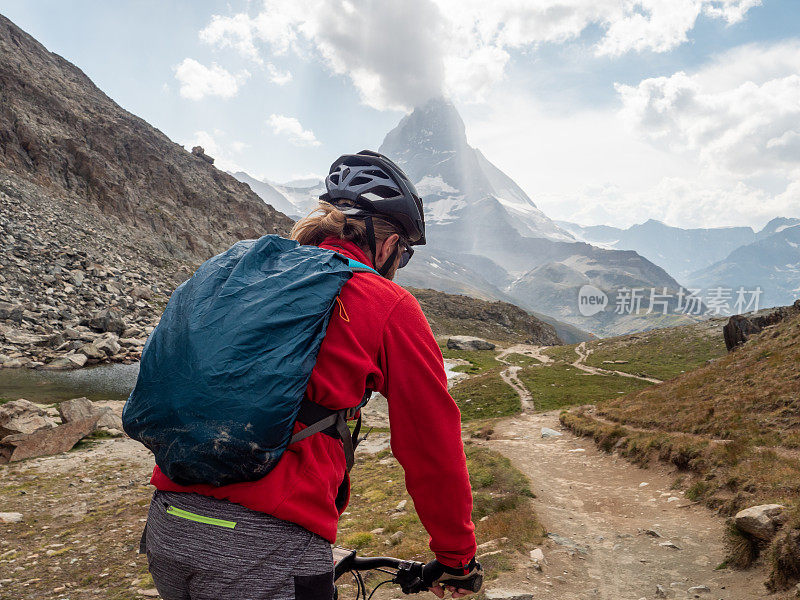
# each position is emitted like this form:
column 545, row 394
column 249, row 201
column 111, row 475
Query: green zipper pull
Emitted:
column 185, row 514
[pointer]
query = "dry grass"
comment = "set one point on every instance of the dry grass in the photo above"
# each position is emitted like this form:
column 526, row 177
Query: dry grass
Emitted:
column 752, row 394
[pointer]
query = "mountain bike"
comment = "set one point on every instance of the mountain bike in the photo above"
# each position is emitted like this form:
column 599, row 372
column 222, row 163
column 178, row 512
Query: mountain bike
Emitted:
column 407, row 574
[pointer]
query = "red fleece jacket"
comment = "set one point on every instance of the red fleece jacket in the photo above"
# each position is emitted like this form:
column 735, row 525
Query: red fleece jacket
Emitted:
column 377, row 338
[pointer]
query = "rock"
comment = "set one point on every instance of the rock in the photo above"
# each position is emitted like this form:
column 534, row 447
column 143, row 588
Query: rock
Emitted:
column 537, row 556
column 661, row 591
column 108, row 344
column 76, row 277
column 70, row 361
column 669, row 544
column 142, row 292
column 90, row 350
column 10, row 517
column 401, row 506
column 465, row 342
column 377, row 531
column 501, row 594
column 78, row 409
column 45, row 442
column 760, row 521
column 699, row 589
column 22, row 338
column 106, row 320
column 23, row 417
column 652, row 533
column 740, row 328
column 199, row 152
column 149, row 593
column 549, row 433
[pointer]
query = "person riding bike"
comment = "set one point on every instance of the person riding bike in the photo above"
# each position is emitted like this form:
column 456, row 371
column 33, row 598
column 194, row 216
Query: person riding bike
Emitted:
column 377, row 339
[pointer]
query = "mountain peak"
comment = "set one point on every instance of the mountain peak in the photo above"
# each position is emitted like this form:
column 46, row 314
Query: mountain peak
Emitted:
column 435, row 127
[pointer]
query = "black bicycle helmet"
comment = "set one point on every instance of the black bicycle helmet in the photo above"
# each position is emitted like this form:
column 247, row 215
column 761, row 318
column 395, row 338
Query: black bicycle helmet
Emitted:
column 369, row 184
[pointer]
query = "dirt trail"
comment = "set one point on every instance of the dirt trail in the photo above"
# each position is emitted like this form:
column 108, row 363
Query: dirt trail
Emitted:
column 580, row 363
column 599, row 508
column 509, row 375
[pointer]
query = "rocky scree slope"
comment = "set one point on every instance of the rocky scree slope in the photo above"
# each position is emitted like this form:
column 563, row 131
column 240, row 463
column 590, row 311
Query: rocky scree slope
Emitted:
column 99, row 210
column 450, row 314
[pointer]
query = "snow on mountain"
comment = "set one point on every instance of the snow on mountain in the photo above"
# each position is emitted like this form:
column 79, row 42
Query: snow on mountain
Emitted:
column 487, row 234
column 431, row 146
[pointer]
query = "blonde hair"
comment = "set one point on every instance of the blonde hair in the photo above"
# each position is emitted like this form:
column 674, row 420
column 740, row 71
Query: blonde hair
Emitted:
column 327, row 221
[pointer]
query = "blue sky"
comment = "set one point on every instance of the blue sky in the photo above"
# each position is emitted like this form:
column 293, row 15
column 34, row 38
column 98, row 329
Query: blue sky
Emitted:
column 607, row 115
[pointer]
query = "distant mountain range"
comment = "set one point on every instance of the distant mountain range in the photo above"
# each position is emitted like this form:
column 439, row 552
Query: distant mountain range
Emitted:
column 728, row 257
column 488, row 239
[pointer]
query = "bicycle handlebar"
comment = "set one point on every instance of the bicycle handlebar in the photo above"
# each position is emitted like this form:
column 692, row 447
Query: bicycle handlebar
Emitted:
column 409, row 573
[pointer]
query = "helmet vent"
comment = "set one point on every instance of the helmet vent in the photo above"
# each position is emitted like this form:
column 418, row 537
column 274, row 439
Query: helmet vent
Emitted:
column 360, row 180
column 335, row 178
column 384, row 191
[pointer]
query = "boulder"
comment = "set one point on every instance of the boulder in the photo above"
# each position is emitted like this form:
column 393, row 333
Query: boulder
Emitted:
column 465, row 342
column 45, row 442
column 760, row 521
column 739, row 328
column 106, row 320
column 108, row 344
column 70, row 361
column 549, row 433
column 92, row 351
column 79, row 409
column 199, row 152
column 22, row 416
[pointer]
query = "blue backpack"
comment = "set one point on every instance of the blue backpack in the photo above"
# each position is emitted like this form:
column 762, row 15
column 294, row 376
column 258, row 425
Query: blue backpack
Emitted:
column 223, row 376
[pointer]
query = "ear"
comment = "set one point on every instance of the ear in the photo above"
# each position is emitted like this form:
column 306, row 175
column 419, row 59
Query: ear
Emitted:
column 385, row 249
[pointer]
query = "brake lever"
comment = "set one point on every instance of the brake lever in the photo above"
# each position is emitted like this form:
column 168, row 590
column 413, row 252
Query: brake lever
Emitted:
column 409, row 577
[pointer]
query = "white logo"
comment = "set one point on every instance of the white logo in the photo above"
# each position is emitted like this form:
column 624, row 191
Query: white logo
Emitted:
column 591, row 300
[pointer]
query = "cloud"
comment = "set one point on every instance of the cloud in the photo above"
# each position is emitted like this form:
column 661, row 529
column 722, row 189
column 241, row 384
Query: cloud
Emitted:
column 397, row 54
column 198, row 81
column 744, row 127
column 277, row 76
column 293, row 130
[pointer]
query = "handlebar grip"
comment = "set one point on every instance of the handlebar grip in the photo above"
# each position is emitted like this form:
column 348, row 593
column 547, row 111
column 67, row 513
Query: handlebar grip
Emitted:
column 473, row 582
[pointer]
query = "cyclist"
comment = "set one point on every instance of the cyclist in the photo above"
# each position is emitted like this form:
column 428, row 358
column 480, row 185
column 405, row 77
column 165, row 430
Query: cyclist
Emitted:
column 377, row 339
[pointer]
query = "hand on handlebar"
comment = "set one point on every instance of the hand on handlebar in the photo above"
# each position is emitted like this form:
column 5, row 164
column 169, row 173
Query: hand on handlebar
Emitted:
column 460, row 582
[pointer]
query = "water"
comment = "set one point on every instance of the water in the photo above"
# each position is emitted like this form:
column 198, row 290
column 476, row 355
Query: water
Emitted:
column 103, row 382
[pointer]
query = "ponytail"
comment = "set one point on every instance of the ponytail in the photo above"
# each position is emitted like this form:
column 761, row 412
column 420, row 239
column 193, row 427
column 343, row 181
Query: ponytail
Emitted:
column 327, row 221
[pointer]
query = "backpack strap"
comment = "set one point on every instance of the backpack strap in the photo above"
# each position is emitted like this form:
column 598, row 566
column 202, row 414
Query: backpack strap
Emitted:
column 332, row 423
column 358, row 267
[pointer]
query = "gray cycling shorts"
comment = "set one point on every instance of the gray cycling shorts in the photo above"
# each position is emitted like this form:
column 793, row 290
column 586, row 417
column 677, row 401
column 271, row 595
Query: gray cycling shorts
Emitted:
column 201, row 548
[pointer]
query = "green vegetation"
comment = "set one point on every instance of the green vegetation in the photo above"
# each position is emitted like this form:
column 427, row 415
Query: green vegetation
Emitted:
column 559, row 385
column 485, row 396
column 501, row 493
column 659, row 353
column 563, row 354
column 480, row 360
column 4, row 400
column 521, row 360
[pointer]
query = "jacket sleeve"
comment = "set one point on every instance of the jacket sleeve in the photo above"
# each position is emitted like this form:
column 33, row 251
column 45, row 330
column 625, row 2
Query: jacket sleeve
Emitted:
column 426, row 433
